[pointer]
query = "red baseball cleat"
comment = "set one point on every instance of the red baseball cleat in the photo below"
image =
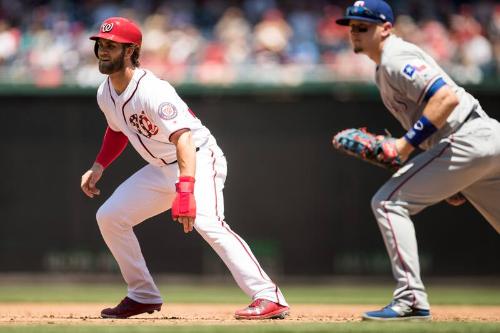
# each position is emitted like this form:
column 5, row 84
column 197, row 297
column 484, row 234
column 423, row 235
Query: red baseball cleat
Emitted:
column 128, row 307
column 263, row 309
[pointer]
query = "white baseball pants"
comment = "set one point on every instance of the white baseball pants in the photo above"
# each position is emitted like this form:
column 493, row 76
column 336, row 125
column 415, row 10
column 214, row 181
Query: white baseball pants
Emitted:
column 150, row 192
column 468, row 161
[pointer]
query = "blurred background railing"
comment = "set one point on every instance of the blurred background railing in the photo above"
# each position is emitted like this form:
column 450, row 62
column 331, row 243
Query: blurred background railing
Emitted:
column 224, row 42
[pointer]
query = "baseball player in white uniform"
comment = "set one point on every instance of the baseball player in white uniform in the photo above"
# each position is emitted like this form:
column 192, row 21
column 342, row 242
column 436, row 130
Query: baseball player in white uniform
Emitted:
column 186, row 171
column 461, row 149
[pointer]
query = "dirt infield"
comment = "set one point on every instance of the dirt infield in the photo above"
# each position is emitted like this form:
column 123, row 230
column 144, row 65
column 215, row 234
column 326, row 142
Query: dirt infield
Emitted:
column 184, row 314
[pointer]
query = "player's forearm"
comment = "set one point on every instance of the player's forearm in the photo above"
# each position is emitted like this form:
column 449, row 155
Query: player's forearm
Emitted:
column 186, row 155
column 113, row 145
column 97, row 167
column 438, row 109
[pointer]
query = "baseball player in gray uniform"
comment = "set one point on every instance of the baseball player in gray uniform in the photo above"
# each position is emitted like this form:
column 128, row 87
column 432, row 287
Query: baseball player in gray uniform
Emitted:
column 461, row 149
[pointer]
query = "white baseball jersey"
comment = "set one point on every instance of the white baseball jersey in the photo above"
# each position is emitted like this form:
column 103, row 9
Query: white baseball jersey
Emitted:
column 404, row 77
column 148, row 112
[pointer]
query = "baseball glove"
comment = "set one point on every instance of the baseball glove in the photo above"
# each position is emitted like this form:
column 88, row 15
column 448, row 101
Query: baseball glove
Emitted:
column 376, row 149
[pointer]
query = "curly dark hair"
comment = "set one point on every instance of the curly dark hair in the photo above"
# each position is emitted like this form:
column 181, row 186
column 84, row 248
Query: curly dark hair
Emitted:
column 135, row 55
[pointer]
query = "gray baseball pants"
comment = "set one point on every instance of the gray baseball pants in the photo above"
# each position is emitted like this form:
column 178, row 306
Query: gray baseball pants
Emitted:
column 468, row 161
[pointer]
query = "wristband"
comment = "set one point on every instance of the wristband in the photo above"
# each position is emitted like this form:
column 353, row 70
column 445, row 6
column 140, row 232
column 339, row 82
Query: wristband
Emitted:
column 185, row 185
column 184, row 203
column 420, row 131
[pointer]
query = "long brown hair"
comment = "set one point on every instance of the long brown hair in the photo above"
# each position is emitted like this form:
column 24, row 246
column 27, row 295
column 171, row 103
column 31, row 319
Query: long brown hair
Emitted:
column 135, row 55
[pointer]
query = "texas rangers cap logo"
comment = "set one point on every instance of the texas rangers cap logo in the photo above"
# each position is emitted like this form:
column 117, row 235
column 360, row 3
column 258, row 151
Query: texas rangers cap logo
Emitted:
column 107, row 27
column 167, row 111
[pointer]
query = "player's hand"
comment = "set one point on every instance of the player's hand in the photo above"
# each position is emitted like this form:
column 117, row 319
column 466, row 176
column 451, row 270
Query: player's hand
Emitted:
column 184, row 205
column 90, row 179
column 187, row 223
column 404, row 149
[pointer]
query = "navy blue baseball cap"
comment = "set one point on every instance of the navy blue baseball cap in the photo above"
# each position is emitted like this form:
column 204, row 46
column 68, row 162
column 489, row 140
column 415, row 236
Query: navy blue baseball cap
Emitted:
column 373, row 11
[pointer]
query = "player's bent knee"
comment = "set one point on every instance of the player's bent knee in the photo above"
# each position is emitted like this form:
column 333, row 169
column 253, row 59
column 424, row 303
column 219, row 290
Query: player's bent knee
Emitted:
column 105, row 217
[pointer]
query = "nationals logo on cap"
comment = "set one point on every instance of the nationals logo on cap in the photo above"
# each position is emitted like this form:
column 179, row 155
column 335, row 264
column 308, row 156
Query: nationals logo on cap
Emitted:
column 107, row 27
column 167, row 111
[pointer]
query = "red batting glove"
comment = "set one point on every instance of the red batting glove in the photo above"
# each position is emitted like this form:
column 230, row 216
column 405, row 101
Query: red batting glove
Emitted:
column 184, row 203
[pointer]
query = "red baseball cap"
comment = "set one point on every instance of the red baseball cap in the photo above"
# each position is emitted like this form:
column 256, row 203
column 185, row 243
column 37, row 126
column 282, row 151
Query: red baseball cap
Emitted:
column 120, row 30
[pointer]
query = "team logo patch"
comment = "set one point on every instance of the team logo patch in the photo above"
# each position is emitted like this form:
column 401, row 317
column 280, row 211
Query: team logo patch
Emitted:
column 143, row 125
column 409, row 70
column 167, row 111
column 417, row 67
column 107, row 27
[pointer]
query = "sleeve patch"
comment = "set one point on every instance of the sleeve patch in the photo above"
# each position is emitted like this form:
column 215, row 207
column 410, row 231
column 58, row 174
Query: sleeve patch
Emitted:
column 409, row 71
column 167, row 111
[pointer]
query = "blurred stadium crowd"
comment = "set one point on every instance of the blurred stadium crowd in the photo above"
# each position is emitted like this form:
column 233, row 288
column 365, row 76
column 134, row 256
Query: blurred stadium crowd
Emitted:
column 241, row 41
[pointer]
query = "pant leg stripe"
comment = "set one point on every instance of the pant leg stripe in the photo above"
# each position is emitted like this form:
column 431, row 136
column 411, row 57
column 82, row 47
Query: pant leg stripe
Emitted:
column 246, row 250
column 234, row 234
column 215, row 188
column 405, row 268
column 403, row 264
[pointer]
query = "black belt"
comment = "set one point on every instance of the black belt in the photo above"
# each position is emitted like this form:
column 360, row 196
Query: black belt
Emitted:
column 173, row 162
column 472, row 114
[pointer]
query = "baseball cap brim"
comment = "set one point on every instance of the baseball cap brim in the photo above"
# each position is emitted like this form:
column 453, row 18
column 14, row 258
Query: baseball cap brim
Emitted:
column 111, row 37
column 346, row 19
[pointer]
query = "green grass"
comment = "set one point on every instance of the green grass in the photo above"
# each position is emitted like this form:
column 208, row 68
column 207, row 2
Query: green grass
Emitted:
column 174, row 293
column 328, row 327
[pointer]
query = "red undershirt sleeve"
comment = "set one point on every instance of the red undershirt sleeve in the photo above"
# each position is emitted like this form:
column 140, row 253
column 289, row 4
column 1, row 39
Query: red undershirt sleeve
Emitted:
column 113, row 145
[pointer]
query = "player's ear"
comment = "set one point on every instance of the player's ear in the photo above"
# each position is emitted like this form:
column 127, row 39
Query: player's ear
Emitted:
column 386, row 29
column 129, row 50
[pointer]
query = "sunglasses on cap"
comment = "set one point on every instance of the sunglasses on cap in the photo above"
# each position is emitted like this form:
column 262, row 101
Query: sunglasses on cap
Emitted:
column 364, row 12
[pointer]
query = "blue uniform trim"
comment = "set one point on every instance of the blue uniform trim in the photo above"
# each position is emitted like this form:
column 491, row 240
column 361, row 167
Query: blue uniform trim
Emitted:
column 420, row 131
column 434, row 88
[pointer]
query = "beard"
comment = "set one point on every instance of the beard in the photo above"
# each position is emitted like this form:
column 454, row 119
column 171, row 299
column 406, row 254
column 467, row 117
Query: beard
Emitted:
column 112, row 66
column 358, row 49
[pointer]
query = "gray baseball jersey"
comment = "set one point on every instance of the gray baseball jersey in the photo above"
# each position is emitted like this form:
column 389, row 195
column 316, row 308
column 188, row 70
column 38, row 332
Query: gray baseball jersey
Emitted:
column 404, row 77
column 463, row 156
